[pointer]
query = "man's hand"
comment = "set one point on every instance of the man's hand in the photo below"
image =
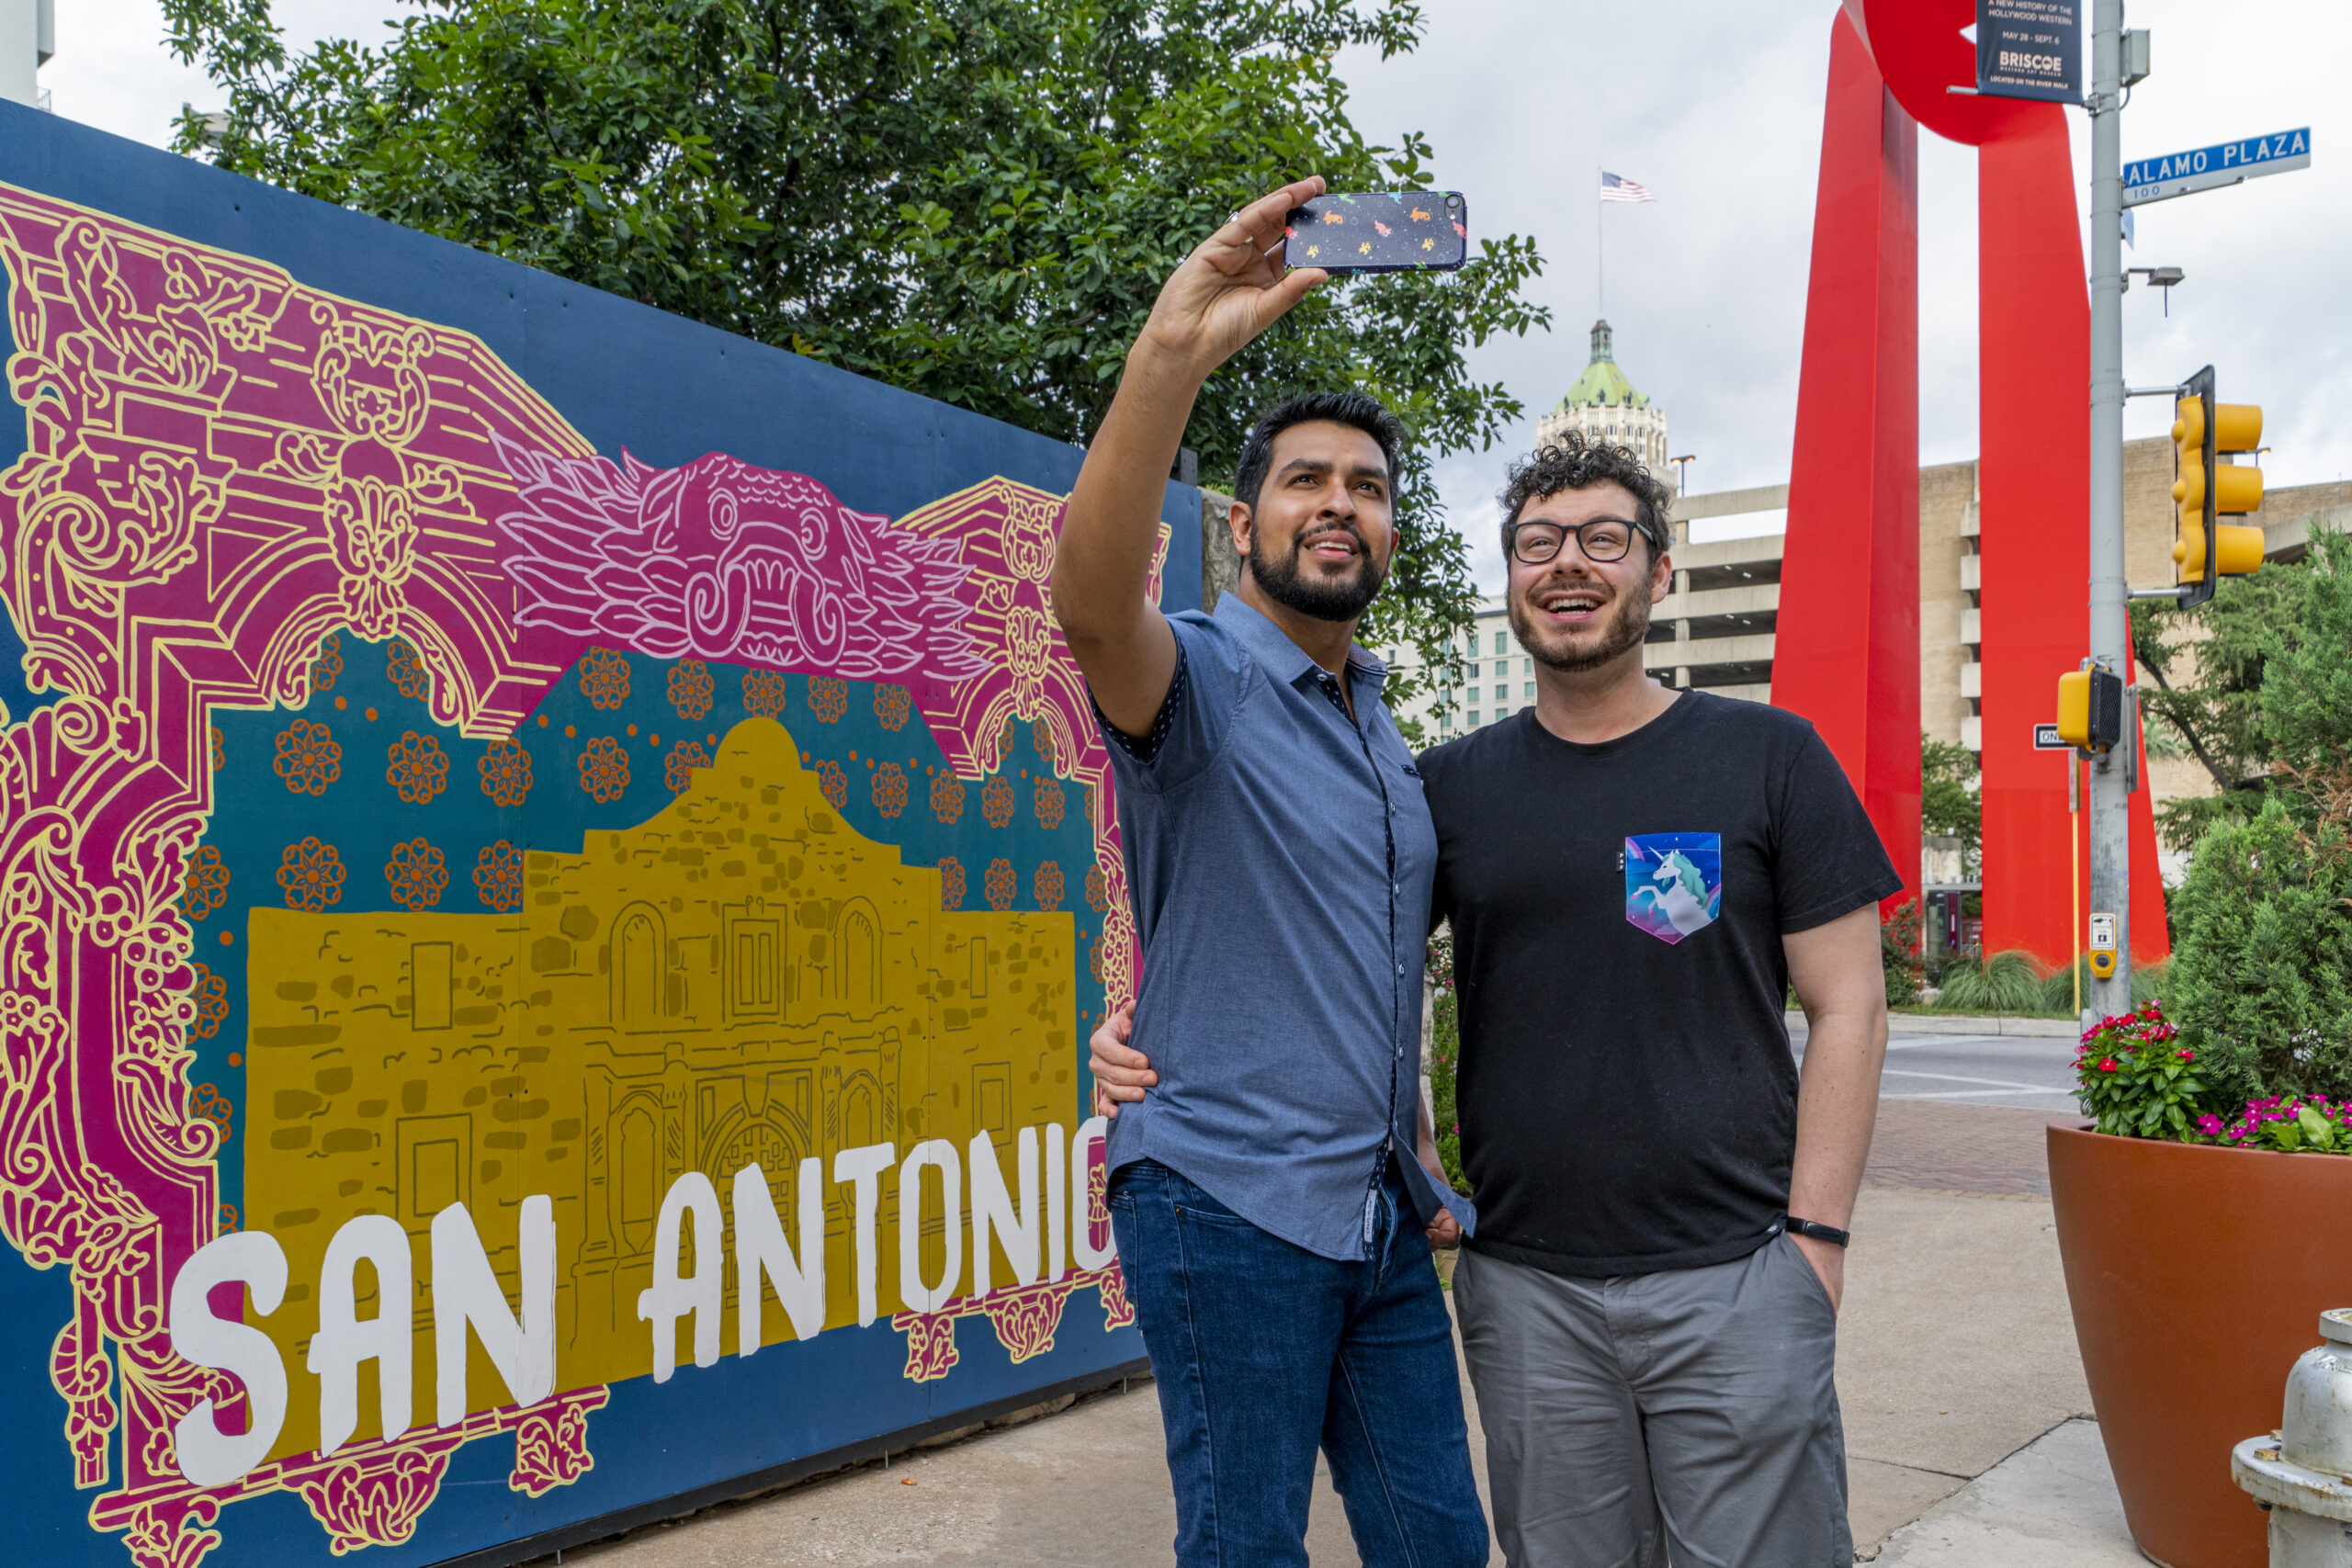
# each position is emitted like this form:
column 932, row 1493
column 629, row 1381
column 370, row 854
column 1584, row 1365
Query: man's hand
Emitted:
column 1120, row 1074
column 1227, row 291
column 1231, row 288
column 1444, row 1230
column 1829, row 1262
column 1841, row 984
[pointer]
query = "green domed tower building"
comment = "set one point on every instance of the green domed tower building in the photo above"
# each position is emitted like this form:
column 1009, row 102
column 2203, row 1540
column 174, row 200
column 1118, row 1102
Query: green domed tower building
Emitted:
column 1604, row 405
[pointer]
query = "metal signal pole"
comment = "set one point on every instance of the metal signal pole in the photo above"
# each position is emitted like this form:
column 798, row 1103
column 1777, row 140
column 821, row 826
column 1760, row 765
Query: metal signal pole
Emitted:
column 2110, row 832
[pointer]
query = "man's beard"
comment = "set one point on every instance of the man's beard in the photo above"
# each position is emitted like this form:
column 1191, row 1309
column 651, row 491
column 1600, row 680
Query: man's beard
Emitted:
column 1325, row 600
column 1628, row 624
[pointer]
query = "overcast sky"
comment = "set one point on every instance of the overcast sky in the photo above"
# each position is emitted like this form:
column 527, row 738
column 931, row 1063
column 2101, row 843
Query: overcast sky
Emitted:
column 1716, row 106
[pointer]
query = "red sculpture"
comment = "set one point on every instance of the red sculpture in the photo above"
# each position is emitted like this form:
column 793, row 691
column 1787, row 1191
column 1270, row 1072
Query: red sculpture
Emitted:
column 1853, row 496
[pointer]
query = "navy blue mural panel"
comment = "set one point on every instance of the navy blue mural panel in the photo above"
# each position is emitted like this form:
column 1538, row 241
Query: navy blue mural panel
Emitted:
column 560, row 874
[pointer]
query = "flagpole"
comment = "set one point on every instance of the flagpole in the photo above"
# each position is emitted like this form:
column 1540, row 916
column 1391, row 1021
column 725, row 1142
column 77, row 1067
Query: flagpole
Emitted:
column 1600, row 256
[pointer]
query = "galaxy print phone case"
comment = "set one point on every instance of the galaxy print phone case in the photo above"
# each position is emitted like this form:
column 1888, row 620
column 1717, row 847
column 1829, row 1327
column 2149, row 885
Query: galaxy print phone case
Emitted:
column 1380, row 231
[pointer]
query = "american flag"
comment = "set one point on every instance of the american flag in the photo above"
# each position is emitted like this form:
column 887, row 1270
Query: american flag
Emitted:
column 1613, row 189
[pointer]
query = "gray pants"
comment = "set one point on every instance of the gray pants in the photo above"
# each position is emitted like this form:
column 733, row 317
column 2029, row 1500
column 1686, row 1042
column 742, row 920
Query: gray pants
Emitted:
column 1688, row 1414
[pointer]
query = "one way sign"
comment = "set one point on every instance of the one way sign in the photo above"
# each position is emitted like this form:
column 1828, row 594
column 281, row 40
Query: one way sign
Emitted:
column 2208, row 168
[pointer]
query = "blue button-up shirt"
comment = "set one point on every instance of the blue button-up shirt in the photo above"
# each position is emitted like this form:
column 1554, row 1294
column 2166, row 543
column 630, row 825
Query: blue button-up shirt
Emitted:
column 1280, row 856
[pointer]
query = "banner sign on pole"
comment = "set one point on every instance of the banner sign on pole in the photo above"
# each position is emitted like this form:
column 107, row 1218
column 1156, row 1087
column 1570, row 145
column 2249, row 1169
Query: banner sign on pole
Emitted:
column 2045, row 739
column 2209, row 168
column 2030, row 49
column 559, row 872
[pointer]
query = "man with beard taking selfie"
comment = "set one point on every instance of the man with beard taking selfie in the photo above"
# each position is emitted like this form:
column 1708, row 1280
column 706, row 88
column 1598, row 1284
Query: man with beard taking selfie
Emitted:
column 1636, row 875
column 1273, row 1200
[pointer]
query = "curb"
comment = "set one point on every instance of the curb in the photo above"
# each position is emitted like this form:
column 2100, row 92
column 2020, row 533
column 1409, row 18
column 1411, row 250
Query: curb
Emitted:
column 1899, row 1023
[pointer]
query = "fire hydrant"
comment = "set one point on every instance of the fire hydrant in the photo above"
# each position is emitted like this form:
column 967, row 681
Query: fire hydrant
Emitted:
column 2301, row 1474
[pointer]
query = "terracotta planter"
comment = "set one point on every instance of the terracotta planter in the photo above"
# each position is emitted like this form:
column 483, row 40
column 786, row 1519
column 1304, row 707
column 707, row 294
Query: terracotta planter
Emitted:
column 2197, row 1276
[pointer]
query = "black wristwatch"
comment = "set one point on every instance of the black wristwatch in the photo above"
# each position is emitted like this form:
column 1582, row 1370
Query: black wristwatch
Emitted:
column 1812, row 1231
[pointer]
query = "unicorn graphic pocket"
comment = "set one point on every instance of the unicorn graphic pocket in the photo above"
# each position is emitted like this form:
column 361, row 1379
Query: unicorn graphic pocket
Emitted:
column 1674, row 883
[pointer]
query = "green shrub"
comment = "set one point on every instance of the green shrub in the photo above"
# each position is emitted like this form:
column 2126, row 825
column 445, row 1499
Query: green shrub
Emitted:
column 2261, row 982
column 1445, row 1059
column 1898, row 952
column 2007, row 982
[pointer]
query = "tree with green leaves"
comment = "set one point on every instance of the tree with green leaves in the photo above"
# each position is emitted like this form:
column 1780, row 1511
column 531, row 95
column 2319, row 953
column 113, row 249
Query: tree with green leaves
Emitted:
column 2209, row 666
column 972, row 199
column 1948, row 806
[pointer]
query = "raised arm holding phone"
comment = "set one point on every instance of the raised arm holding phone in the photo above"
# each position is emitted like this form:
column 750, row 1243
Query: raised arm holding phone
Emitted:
column 1272, row 1219
column 1636, row 875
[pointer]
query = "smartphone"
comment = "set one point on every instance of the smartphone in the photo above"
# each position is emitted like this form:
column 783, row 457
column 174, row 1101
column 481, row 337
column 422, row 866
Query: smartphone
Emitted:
column 1381, row 230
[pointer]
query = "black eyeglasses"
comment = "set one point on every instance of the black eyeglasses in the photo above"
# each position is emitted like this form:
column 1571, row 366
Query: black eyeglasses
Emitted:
column 1602, row 539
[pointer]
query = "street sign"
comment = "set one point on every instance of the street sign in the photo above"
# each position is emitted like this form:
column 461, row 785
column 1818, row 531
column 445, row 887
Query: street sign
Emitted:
column 2209, row 168
column 2030, row 49
column 2045, row 739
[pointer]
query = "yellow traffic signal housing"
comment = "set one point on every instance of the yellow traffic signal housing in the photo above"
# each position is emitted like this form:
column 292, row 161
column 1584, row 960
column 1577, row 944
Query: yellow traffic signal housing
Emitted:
column 2238, row 552
column 2206, row 488
column 2235, row 489
column 2090, row 708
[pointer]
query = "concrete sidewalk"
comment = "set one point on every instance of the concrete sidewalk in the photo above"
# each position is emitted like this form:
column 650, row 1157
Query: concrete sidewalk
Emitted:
column 1962, row 1396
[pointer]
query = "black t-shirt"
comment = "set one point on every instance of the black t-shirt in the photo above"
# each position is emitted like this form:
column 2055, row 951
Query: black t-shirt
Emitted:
column 1627, row 1097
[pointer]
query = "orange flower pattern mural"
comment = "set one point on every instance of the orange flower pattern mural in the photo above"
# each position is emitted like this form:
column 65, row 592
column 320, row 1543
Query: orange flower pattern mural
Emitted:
column 678, row 770
column 311, row 874
column 763, row 691
column 604, row 677
column 418, row 769
column 211, row 995
column 406, row 669
column 691, row 692
column 207, row 884
column 828, row 699
column 951, row 884
column 325, row 667
column 498, row 877
column 1046, row 886
column 418, row 874
column 603, row 769
column 1000, row 886
column 307, row 758
column 997, row 802
column 946, row 797
column 506, row 771
column 891, row 705
column 889, row 789
column 1048, row 801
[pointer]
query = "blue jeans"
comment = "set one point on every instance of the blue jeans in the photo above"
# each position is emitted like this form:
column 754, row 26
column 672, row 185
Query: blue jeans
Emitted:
column 1264, row 1352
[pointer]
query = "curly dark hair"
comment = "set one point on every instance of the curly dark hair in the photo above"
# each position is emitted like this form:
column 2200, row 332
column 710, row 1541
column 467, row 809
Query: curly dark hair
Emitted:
column 1336, row 408
column 1573, row 462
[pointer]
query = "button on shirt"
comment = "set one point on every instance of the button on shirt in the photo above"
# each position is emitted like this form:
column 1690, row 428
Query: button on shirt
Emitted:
column 1280, row 856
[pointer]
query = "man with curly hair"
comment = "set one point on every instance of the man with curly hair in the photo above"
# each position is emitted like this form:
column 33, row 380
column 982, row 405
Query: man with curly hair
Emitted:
column 1636, row 875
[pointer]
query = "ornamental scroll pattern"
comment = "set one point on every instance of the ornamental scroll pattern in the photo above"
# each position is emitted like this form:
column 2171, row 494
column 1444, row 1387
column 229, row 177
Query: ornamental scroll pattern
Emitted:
column 220, row 468
column 1008, row 530
column 223, row 468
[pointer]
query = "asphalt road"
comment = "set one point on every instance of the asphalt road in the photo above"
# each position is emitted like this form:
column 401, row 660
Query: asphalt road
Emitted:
column 2029, row 1074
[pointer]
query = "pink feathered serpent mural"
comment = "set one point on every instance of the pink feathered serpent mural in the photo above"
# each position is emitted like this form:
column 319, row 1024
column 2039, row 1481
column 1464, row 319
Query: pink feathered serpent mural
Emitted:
column 441, row 861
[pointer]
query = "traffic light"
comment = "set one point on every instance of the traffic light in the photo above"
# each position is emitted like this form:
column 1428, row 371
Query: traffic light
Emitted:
column 2090, row 708
column 2206, row 488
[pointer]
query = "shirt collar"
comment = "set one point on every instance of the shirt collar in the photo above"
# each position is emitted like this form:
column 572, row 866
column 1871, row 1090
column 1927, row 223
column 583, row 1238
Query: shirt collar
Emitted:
column 1272, row 646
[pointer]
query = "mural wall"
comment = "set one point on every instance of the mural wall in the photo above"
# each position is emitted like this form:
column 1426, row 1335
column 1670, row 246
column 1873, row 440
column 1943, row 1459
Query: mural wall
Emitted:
column 554, row 874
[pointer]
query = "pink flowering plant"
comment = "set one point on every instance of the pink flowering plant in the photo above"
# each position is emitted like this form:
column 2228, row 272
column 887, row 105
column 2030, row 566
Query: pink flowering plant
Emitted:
column 2136, row 1079
column 2287, row 1124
